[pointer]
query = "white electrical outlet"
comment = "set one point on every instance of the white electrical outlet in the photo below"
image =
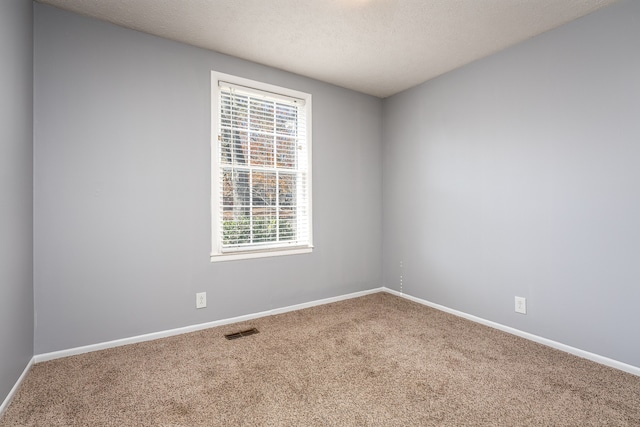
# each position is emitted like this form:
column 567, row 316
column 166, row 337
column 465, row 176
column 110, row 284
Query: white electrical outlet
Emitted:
column 201, row 300
column 521, row 305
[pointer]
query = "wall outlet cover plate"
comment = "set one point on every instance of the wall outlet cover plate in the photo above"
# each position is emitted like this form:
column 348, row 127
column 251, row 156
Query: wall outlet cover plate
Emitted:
column 201, row 300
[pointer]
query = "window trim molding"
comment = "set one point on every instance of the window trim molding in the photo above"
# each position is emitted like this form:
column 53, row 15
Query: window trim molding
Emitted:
column 262, row 253
column 217, row 254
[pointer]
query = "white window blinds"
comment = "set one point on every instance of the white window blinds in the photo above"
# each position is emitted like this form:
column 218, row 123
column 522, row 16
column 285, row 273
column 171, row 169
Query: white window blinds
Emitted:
column 263, row 168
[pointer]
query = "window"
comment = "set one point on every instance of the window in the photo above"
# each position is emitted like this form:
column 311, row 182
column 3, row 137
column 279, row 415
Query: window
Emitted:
column 261, row 169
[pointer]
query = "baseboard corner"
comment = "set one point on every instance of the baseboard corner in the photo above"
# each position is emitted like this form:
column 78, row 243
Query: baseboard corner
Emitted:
column 603, row 360
column 43, row 357
column 7, row 400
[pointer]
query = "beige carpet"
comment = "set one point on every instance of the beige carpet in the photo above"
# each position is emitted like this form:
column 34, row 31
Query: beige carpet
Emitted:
column 378, row 360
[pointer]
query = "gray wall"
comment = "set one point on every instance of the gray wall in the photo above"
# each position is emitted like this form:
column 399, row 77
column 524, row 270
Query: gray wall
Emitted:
column 16, row 194
column 518, row 175
column 122, row 188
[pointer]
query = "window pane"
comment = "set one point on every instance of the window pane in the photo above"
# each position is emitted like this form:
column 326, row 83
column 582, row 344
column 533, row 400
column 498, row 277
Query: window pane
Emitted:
column 235, row 190
column 286, row 119
column 264, row 225
column 263, row 188
column 233, row 110
column 236, row 228
column 286, row 149
column 262, row 118
column 225, row 111
column 228, row 192
column 239, row 148
column 287, row 223
column 261, row 150
column 236, row 209
column 226, row 145
column 233, row 147
column 287, row 189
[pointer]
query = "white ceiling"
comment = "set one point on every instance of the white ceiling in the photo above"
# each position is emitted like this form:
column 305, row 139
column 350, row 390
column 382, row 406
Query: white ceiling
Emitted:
column 379, row 47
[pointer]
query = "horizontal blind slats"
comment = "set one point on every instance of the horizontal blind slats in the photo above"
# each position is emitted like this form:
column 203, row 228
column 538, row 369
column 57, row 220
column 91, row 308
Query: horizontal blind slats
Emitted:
column 257, row 93
column 263, row 182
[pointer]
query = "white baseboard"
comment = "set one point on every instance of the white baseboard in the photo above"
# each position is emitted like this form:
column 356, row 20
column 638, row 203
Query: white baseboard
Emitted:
column 550, row 343
column 162, row 334
column 171, row 332
column 12, row 392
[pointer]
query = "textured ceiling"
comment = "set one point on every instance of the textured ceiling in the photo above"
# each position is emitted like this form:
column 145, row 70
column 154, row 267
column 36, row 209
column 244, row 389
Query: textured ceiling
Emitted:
column 379, row 47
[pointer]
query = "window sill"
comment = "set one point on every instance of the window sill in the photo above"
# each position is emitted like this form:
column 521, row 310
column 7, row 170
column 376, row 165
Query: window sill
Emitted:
column 233, row 256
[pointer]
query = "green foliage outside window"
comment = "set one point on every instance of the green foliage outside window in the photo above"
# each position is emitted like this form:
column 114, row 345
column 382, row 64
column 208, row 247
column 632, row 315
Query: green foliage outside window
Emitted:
column 263, row 230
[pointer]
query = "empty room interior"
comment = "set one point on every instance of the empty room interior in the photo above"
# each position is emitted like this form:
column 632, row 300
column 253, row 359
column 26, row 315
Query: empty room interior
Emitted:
column 437, row 222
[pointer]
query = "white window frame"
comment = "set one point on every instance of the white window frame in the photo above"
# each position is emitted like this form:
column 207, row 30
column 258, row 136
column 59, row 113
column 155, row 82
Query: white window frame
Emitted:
column 218, row 252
